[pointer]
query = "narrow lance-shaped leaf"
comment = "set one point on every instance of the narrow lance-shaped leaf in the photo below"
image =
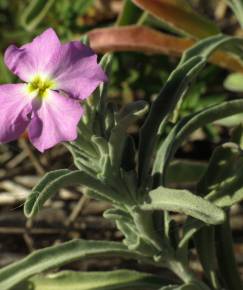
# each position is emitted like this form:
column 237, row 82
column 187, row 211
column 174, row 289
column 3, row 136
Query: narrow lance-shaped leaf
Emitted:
column 56, row 256
column 95, row 107
column 119, row 280
column 131, row 113
column 184, row 128
column 184, row 201
column 98, row 105
column 190, row 65
column 53, row 181
column 105, row 63
column 225, row 187
column 223, row 166
column 190, row 227
column 164, row 103
column 204, row 241
column 49, row 177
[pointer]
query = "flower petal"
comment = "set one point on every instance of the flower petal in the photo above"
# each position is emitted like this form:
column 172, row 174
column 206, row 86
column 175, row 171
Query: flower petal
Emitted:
column 73, row 65
column 15, row 109
column 54, row 121
column 77, row 72
column 33, row 58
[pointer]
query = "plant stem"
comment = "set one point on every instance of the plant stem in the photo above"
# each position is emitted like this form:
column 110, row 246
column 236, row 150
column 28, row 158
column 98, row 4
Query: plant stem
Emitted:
column 185, row 274
column 226, row 258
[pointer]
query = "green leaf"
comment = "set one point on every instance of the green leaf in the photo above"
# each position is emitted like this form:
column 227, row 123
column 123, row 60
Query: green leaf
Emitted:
column 223, row 166
column 56, row 256
column 223, row 180
column 117, row 214
column 204, row 241
column 53, row 181
column 49, row 177
column 128, row 115
column 174, row 88
column 184, row 201
column 98, row 112
column 184, row 128
column 192, row 62
column 115, row 280
column 227, row 193
column 105, row 63
column 95, row 107
column 35, row 12
column 227, row 188
column 234, row 82
column 190, row 227
column 131, row 235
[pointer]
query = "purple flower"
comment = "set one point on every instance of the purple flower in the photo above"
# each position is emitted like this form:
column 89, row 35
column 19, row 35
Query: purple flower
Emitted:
column 56, row 76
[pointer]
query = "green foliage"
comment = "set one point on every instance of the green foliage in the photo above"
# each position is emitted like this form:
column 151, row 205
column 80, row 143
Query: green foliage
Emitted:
column 190, row 65
column 99, row 154
column 129, row 115
column 184, row 128
column 205, row 245
column 54, row 180
column 224, row 187
column 120, row 280
column 185, row 202
column 59, row 255
column 135, row 179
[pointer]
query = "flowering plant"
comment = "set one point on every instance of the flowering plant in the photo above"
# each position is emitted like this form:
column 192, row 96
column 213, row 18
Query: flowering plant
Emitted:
column 56, row 76
column 108, row 164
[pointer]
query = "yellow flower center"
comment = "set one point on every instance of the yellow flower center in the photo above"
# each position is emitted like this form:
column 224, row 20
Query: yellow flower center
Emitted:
column 40, row 86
